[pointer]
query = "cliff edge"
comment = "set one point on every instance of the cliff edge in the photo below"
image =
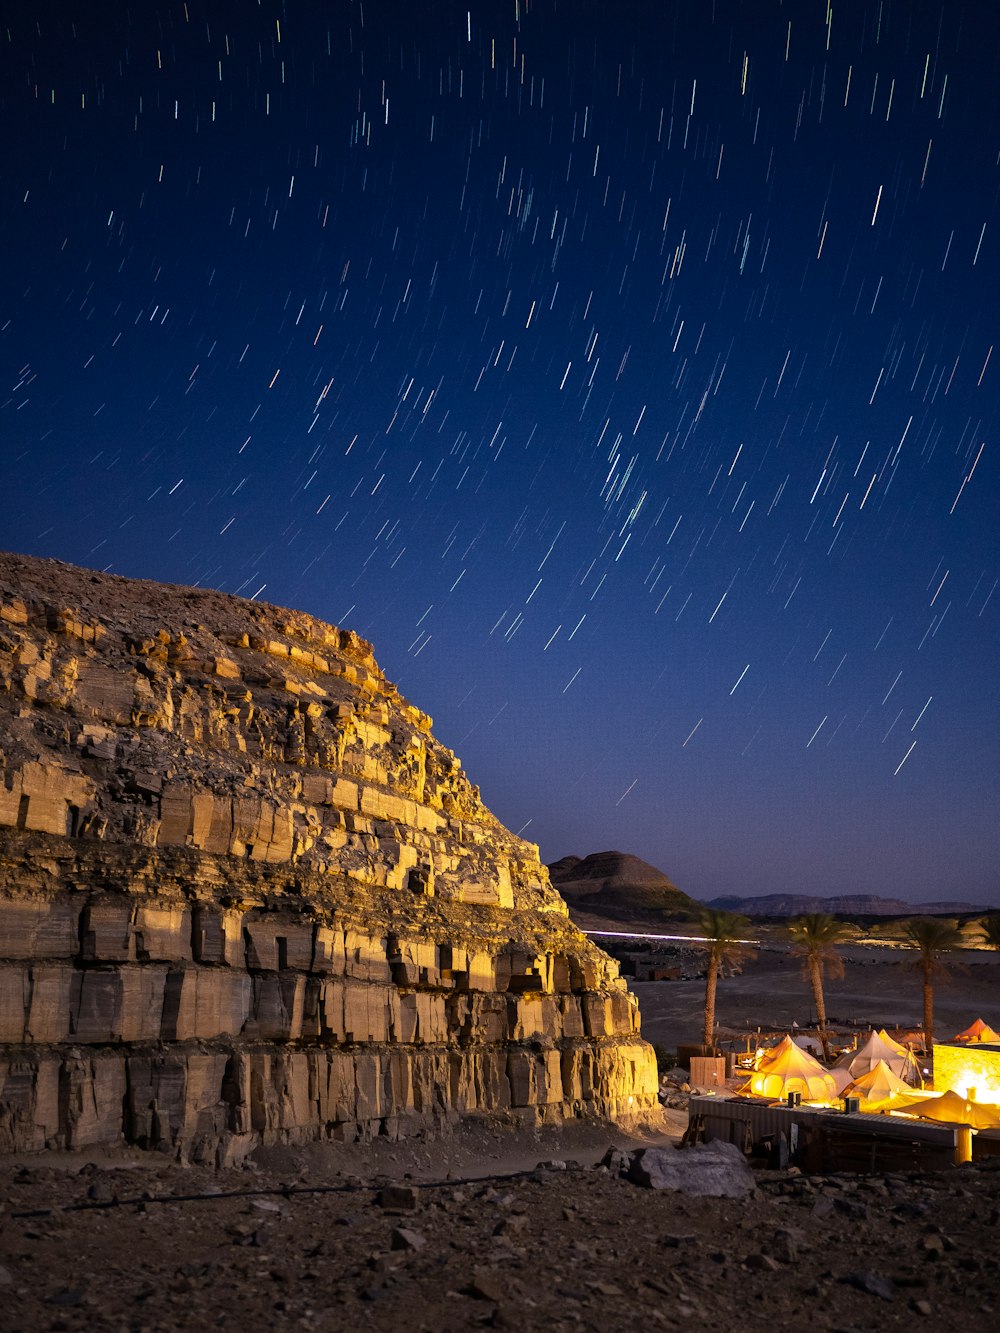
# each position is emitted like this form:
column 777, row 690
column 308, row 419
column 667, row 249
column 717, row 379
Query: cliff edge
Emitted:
column 246, row 896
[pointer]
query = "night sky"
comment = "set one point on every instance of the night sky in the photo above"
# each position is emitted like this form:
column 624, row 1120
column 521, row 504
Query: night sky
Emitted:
column 624, row 372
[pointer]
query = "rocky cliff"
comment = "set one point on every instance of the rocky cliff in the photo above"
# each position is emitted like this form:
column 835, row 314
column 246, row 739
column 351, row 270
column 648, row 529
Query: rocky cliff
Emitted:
column 246, row 896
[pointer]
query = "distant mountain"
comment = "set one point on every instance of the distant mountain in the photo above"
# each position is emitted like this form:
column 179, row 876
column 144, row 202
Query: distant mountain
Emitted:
column 848, row 905
column 620, row 886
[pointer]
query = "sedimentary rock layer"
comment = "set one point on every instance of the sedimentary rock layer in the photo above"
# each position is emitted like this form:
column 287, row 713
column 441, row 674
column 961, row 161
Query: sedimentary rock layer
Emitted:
column 246, row 896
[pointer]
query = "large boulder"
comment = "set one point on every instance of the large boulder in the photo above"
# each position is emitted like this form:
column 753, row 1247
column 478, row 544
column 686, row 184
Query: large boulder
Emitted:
column 714, row 1169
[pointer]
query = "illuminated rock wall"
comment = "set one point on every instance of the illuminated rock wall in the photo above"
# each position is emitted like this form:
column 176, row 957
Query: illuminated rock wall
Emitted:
column 246, row 896
column 961, row 1067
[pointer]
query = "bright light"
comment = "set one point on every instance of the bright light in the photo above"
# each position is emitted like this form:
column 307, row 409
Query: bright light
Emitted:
column 971, row 1071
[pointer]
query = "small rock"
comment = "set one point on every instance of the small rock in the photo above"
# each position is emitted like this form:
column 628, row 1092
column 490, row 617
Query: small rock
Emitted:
column 875, row 1284
column 912, row 1208
column 785, row 1246
column 554, row 1165
column 606, row 1289
column 660, row 1287
column 265, row 1206
column 762, row 1263
column 100, row 1192
column 616, row 1160
column 404, row 1238
column 675, row 1242
column 852, row 1208
column 67, row 1297
column 487, row 1285
column 192, row 1270
column 398, row 1198
column 922, row 1307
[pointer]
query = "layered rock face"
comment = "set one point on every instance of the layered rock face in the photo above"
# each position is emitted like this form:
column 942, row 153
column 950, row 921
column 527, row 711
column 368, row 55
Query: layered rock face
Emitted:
column 246, row 896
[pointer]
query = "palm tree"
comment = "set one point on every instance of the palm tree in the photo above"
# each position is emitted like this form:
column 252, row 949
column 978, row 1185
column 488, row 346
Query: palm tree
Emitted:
column 723, row 934
column 931, row 937
column 815, row 937
column 989, row 931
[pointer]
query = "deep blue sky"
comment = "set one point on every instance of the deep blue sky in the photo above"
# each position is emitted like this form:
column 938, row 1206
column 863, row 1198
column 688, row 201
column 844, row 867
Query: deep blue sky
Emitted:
column 614, row 368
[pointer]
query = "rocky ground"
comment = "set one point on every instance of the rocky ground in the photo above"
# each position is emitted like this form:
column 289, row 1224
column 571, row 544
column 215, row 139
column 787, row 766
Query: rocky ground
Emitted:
column 474, row 1232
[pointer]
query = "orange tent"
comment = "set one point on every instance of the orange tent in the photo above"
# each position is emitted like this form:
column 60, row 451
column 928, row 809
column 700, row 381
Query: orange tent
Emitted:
column 979, row 1032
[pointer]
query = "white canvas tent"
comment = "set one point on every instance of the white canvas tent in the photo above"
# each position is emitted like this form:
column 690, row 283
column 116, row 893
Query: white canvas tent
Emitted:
column 787, row 1068
column 879, row 1088
column 880, row 1046
column 811, row 1045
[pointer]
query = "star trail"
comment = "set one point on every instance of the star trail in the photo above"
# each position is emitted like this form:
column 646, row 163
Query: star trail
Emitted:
column 624, row 372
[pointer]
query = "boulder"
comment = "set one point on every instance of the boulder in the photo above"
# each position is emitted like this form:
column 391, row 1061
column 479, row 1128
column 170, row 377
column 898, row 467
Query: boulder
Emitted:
column 715, row 1169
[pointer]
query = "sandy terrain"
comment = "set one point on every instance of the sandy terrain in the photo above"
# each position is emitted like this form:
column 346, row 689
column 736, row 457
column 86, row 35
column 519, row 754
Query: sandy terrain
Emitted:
column 880, row 987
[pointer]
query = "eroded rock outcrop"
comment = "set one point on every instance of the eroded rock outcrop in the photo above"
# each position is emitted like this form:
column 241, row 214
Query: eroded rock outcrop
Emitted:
column 246, row 896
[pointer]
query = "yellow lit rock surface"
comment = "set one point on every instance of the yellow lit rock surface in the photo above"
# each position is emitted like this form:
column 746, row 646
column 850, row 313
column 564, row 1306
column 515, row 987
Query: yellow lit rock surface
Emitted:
column 973, row 1071
column 246, row 896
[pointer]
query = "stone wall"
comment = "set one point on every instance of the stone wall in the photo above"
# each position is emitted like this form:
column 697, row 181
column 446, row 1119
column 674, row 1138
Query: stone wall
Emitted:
column 245, row 895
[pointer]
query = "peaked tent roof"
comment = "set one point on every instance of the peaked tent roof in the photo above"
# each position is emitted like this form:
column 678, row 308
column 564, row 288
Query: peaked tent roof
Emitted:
column 979, row 1032
column 788, row 1068
column 786, row 1048
column 880, row 1046
column 879, row 1085
column 811, row 1045
column 953, row 1108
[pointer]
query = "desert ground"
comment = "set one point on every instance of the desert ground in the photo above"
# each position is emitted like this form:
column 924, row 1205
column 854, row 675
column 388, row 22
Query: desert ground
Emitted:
column 486, row 1228
column 442, row 1235
column 880, row 988
column 461, row 1234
